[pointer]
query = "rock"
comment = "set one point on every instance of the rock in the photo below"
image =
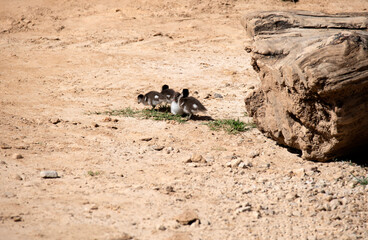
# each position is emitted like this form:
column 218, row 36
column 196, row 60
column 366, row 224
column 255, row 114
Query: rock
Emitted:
column 235, row 163
column 5, row 146
column 188, row 217
column 335, row 203
column 169, row 150
column 124, row 236
column 157, row 148
column 107, row 119
column 49, row 174
column 217, row 95
column 314, row 80
column 242, row 165
column 291, row 197
column 94, row 207
column 18, row 177
column 17, row 156
column 162, row 228
column 147, row 139
column 55, row 120
column 196, row 158
column 299, row 172
column 16, row 218
column 253, row 154
column 243, row 209
column 169, row 189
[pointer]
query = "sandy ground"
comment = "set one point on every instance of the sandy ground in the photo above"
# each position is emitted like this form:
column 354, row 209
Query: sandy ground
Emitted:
column 65, row 59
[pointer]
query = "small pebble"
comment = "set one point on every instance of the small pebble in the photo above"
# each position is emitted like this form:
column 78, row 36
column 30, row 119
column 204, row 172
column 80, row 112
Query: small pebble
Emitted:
column 217, row 95
column 162, row 228
column 54, row 120
column 158, row 148
column 16, row 218
column 253, row 154
column 18, row 177
column 17, row 156
column 188, row 217
column 49, row 174
column 196, row 158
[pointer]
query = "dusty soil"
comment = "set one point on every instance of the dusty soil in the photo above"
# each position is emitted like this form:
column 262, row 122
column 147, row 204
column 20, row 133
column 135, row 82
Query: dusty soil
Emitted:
column 61, row 60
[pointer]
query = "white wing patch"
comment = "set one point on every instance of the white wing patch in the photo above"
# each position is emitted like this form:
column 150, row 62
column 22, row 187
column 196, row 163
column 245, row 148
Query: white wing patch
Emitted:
column 195, row 106
column 156, row 97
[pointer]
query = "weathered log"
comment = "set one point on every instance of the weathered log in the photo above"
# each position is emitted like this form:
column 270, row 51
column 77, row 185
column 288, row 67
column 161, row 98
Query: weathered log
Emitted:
column 314, row 80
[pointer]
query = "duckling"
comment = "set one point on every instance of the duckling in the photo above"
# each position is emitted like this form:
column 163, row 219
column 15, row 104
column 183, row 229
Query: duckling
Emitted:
column 152, row 98
column 168, row 93
column 190, row 105
column 174, row 107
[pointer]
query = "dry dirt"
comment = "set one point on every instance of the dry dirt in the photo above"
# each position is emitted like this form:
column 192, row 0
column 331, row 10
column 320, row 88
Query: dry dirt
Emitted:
column 65, row 59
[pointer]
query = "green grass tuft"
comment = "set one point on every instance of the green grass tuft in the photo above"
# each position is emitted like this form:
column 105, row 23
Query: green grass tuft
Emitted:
column 126, row 112
column 163, row 114
column 160, row 114
column 361, row 180
column 230, row 125
column 92, row 173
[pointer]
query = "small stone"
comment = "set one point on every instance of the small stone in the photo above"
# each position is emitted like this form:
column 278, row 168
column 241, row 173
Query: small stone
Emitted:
column 5, row 146
column 196, row 158
column 188, row 217
column 169, row 189
column 335, row 204
column 17, row 156
column 208, row 96
column 243, row 209
column 291, row 196
column 157, row 148
column 299, row 172
column 18, row 177
column 169, row 150
column 147, row 139
column 3, row 162
column 95, row 125
column 22, row 147
column 235, row 163
column 162, row 228
column 16, row 218
column 124, row 236
column 242, row 165
column 107, row 119
column 94, row 207
column 257, row 214
column 217, row 95
column 157, row 34
column 253, row 154
column 49, row 174
column 54, row 120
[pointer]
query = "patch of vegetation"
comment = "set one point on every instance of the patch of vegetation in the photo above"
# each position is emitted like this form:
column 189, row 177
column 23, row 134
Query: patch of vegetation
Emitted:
column 126, row 112
column 92, row 173
column 361, row 180
column 161, row 114
column 230, row 125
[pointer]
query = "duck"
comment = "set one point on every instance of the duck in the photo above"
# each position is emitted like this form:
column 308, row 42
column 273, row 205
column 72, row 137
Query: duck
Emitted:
column 168, row 93
column 190, row 105
column 174, row 106
column 152, row 98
